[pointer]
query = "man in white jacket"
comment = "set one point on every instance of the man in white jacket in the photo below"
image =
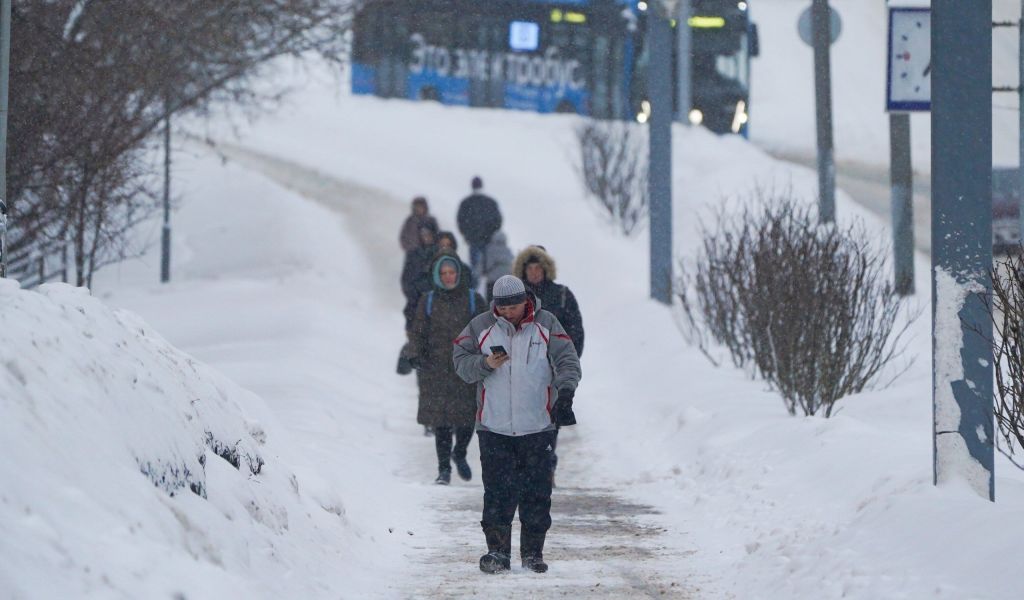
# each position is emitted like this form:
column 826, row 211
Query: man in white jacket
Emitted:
column 526, row 370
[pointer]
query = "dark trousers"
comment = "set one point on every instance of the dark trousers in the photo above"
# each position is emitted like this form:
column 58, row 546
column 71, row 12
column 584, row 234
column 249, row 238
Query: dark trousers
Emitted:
column 476, row 259
column 443, row 443
column 554, row 447
column 517, row 474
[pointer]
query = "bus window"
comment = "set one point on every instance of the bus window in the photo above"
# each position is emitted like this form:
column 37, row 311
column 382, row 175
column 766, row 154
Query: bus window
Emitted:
column 734, row 66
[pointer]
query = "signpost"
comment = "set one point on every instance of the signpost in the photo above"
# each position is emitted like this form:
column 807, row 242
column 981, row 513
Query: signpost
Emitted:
column 824, row 29
column 908, row 89
column 803, row 26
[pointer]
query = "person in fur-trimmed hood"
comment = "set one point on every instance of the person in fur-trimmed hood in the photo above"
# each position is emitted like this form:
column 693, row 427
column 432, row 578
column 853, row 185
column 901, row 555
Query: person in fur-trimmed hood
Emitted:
column 537, row 270
column 526, row 371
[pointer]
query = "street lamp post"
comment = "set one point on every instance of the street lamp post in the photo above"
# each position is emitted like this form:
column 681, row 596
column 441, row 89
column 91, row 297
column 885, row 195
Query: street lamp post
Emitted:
column 961, row 117
column 5, row 65
column 659, row 83
column 165, row 233
column 684, row 45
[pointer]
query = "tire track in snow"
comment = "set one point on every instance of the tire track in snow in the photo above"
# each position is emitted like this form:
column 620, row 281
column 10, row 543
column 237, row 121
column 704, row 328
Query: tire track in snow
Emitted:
column 600, row 545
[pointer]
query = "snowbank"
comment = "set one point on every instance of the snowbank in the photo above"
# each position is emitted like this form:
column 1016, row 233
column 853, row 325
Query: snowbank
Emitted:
column 132, row 470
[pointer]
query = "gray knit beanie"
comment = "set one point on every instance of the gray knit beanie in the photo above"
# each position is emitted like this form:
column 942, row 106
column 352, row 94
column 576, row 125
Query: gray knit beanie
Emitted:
column 509, row 290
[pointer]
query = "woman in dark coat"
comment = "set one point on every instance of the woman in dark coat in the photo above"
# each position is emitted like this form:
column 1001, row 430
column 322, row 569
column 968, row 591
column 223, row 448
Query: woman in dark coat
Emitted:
column 446, row 241
column 447, row 403
column 415, row 280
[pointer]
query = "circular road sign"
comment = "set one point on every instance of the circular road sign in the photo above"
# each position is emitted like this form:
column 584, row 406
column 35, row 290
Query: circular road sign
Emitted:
column 803, row 25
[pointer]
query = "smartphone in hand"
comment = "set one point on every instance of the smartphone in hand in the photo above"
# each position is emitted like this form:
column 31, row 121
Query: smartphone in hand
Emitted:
column 498, row 350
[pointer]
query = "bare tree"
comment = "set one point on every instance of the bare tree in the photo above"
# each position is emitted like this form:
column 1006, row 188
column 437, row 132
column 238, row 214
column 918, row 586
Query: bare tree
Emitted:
column 807, row 307
column 613, row 167
column 93, row 80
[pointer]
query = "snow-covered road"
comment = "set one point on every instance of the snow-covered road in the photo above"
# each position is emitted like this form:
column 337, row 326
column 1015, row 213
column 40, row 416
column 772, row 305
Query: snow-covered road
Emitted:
column 601, row 542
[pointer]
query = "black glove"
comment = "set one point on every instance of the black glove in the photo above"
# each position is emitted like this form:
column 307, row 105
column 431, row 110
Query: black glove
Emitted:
column 561, row 412
column 404, row 366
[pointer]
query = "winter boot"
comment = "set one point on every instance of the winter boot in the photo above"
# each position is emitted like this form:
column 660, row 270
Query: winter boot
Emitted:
column 462, row 467
column 531, row 548
column 499, row 550
column 444, row 477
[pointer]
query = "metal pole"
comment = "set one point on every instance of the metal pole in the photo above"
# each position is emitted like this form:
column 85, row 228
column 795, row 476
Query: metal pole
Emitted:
column 684, row 100
column 1020, row 121
column 659, row 73
column 961, row 48
column 821, row 36
column 165, row 238
column 5, row 67
column 902, row 179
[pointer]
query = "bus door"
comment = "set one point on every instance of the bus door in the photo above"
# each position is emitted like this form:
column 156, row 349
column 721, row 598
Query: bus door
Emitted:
column 576, row 46
column 486, row 36
column 393, row 62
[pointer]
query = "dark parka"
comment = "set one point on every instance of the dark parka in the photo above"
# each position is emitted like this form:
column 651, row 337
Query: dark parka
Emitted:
column 554, row 297
column 415, row 280
column 478, row 218
column 445, row 399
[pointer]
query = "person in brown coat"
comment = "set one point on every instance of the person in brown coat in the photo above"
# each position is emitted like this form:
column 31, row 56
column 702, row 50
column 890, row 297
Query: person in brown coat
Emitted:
column 410, row 234
column 446, row 402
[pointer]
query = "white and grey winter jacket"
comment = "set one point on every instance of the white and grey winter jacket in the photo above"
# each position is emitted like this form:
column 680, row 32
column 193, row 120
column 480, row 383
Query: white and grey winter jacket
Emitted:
column 516, row 398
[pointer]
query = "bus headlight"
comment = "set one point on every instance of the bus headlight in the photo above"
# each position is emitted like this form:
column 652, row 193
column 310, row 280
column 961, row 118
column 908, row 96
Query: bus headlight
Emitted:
column 645, row 112
column 742, row 6
column 739, row 118
column 696, row 117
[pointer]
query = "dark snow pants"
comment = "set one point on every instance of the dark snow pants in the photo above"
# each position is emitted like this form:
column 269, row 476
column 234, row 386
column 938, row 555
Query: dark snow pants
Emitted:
column 517, row 474
column 443, row 444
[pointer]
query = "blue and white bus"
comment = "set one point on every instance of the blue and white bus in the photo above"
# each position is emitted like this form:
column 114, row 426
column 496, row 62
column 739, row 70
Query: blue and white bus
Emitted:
column 574, row 56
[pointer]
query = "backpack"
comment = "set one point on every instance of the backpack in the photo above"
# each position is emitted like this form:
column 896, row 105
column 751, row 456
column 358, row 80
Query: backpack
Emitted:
column 430, row 302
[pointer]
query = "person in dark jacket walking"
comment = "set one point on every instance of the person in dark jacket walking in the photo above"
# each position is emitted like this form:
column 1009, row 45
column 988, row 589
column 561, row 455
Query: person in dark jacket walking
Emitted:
column 446, row 402
column 415, row 279
column 537, row 269
column 409, row 237
column 520, row 358
column 478, row 219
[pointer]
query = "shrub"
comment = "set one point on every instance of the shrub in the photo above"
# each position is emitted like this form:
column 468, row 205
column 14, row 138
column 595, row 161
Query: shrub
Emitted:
column 810, row 308
column 1007, row 311
column 613, row 167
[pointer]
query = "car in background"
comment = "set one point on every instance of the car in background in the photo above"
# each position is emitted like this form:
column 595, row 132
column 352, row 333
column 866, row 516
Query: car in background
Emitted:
column 1005, row 211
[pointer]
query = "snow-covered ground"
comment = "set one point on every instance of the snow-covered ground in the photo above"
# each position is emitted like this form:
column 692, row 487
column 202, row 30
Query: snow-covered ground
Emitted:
column 682, row 480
